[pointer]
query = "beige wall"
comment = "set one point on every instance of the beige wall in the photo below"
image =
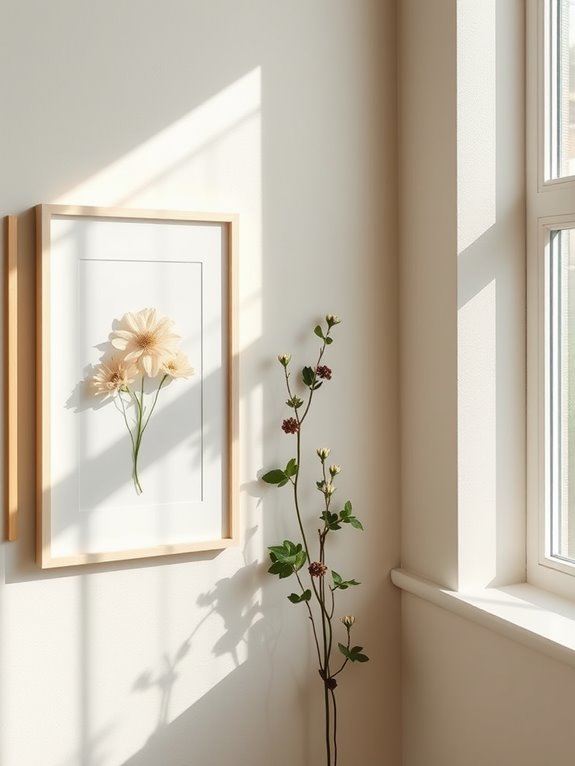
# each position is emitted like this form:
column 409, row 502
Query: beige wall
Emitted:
column 286, row 114
column 471, row 697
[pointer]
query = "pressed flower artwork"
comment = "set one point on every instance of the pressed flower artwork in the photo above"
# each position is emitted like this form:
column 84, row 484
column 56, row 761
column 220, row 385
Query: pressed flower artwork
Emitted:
column 143, row 354
column 136, row 389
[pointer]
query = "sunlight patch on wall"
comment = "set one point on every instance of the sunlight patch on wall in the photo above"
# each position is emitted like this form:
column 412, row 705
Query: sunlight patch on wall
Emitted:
column 476, row 120
column 477, row 436
column 209, row 160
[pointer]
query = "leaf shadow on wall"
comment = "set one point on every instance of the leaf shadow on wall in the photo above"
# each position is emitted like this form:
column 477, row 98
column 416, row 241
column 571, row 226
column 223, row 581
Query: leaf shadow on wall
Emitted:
column 194, row 738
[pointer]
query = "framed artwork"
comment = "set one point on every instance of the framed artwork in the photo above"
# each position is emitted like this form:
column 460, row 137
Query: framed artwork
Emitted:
column 136, row 383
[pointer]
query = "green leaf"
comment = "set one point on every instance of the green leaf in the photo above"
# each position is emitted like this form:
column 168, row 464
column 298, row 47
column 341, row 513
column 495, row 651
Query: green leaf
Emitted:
column 355, row 654
column 319, row 332
column 347, row 517
column 339, row 582
column 307, row 375
column 286, row 558
column 294, row 598
column 316, row 386
column 328, row 340
column 281, row 569
column 345, row 651
column 300, row 560
column 291, row 468
column 277, row 476
column 331, row 519
column 277, row 550
column 298, row 599
column 288, row 553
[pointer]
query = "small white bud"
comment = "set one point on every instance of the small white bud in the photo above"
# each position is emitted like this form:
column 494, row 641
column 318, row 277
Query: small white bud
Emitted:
column 348, row 620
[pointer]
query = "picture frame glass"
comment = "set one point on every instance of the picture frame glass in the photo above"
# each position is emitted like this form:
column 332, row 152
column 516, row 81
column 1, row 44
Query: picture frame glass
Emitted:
column 108, row 276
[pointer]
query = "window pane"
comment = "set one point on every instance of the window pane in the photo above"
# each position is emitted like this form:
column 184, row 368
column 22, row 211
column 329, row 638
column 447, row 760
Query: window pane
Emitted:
column 562, row 393
column 561, row 87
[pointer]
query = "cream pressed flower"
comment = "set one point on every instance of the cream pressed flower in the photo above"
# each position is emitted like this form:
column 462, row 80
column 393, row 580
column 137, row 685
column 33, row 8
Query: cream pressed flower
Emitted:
column 146, row 339
column 178, row 366
column 112, row 375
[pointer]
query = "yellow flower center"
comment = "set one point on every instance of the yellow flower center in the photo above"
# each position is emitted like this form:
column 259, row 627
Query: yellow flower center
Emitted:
column 145, row 340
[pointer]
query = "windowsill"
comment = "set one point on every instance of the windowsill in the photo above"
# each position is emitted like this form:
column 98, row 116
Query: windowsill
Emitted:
column 523, row 613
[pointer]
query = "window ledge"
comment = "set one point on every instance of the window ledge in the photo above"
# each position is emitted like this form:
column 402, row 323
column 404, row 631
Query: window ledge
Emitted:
column 523, row 613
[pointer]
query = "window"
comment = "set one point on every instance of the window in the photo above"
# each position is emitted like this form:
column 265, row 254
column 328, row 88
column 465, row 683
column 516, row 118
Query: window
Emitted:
column 559, row 31
column 551, row 298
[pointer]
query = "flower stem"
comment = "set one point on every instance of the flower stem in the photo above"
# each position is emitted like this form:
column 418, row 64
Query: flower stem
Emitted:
column 334, row 727
column 153, row 404
column 134, row 461
column 138, row 440
column 141, row 425
column 324, row 649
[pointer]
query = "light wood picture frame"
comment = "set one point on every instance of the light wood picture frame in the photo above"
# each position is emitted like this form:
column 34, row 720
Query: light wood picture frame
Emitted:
column 11, row 378
column 136, row 455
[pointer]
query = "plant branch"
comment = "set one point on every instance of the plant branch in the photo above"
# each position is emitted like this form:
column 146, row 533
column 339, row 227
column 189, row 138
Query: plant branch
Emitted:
column 334, row 727
column 311, row 618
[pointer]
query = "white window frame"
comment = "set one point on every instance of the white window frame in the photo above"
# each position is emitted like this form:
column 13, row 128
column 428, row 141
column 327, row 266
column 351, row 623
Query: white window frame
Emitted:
column 550, row 206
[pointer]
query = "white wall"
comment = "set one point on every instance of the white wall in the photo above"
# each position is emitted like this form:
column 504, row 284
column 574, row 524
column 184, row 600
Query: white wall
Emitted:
column 470, row 696
column 473, row 697
column 284, row 113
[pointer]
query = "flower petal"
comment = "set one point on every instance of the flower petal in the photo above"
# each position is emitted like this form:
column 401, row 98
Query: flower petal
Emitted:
column 129, row 320
column 146, row 362
column 127, row 334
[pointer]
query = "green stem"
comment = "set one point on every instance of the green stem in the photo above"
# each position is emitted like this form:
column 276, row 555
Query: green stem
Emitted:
column 154, row 403
column 313, row 381
column 125, row 414
column 311, row 619
column 296, row 497
column 135, row 471
column 319, row 592
column 140, row 408
column 337, row 672
column 141, row 426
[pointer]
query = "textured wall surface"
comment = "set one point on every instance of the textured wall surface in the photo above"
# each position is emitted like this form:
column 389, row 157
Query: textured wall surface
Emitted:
column 285, row 114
